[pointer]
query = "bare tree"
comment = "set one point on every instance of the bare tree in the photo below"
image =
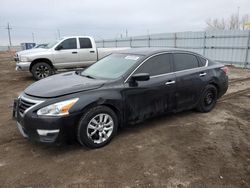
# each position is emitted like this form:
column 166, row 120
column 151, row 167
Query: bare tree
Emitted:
column 215, row 24
column 245, row 20
column 233, row 22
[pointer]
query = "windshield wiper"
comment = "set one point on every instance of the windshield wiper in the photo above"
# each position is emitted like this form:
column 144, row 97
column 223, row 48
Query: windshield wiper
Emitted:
column 88, row 76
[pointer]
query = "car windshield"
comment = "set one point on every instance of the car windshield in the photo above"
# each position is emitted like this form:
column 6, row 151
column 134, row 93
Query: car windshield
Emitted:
column 41, row 46
column 51, row 44
column 112, row 66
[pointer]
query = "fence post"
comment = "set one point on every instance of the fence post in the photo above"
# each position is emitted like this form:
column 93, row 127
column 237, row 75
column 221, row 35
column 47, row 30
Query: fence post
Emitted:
column 149, row 41
column 130, row 42
column 247, row 47
column 175, row 38
column 204, row 43
column 116, row 43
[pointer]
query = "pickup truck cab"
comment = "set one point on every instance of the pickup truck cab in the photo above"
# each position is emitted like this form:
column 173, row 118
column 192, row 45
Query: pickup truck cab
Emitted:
column 67, row 53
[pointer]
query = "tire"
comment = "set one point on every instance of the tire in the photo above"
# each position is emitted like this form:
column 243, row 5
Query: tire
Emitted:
column 41, row 70
column 208, row 99
column 92, row 131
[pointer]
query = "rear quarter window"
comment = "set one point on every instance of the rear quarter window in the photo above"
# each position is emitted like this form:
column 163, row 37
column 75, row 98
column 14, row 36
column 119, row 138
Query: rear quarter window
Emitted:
column 203, row 61
column 85, row 43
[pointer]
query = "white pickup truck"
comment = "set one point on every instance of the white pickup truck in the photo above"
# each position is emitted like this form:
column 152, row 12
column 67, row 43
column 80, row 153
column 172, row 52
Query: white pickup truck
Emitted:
column 67, row 53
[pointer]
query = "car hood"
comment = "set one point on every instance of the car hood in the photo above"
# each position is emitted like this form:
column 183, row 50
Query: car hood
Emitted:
column 62, row 84
column 31, row 51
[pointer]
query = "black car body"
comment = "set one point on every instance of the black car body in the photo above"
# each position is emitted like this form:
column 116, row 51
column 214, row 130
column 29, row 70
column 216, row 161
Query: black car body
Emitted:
column 158, row 81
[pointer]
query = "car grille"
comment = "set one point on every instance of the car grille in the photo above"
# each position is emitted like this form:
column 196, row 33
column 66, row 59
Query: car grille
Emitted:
column 24, row 105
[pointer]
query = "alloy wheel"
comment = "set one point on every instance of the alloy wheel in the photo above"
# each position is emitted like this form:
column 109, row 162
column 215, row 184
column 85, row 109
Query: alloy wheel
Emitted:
column 42, row 71
column 100, row 128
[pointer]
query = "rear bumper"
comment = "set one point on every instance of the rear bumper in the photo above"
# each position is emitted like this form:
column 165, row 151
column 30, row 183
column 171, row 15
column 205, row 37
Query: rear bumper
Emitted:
column 223, row 87
column 23, row 66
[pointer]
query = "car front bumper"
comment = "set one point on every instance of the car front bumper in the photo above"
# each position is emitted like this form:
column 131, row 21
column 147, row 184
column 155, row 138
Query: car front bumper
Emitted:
column 23, row 65
column 52, row 130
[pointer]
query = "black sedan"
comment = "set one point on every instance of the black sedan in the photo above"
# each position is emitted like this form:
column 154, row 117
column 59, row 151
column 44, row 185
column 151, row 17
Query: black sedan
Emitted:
column 122, row 88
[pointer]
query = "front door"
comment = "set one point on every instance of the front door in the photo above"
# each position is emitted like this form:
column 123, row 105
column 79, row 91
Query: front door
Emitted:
column 66, row 54
column 155, row 96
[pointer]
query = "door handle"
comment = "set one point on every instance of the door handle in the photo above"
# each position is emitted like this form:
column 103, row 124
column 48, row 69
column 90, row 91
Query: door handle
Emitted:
column 74, row 52
column 92, row 51
column 170, row 82
column 202, row 74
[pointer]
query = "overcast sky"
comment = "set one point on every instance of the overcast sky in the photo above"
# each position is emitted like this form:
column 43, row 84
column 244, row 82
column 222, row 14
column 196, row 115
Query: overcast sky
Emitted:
column 108, row 18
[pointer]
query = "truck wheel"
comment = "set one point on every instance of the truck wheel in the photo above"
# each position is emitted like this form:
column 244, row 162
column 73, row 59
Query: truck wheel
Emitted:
column 97, row 127
column 41, row 70
column 208, row 99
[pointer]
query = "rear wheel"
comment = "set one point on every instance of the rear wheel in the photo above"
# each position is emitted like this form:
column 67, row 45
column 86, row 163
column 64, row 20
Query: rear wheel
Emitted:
column 208, row 99
column 41, row 70
column 97, row 127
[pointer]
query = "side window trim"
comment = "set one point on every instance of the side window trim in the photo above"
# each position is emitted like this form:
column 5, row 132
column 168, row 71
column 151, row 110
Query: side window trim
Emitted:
column 196, row 55
column 172, row 64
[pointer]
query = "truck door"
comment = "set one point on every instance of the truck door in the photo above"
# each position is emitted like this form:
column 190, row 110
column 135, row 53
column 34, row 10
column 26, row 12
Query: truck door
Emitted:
column 87, row 52
column 66, row 54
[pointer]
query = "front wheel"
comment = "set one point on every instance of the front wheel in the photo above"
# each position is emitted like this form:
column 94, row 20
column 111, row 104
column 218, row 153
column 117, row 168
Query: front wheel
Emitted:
column 208, row 99
column 97, row 127
column 41, row 70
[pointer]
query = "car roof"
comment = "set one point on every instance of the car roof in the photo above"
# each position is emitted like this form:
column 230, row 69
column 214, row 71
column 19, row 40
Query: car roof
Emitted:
column 151, row 51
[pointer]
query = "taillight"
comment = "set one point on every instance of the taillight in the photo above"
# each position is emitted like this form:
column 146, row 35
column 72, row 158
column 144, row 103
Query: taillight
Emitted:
column 225, row 69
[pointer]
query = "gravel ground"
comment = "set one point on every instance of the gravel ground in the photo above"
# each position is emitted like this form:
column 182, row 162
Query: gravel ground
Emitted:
column 187, row 149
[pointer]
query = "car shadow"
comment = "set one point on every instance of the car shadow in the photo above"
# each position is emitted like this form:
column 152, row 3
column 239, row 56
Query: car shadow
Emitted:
column 74, row 146
column 153, row 122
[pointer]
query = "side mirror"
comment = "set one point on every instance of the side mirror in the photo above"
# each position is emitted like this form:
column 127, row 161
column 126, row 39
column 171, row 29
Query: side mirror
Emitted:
column 141, row 77
column 59, row 47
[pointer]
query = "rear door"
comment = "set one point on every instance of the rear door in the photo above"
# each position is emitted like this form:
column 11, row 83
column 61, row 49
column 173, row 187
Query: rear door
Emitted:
column 66, row 54
column 87, row 53
column 155, row 96
column 191, row 79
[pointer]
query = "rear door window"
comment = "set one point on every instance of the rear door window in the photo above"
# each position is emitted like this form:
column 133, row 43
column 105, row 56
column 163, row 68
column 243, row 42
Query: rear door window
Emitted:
column 184, row 61
column 160, row 64
column 85, row 43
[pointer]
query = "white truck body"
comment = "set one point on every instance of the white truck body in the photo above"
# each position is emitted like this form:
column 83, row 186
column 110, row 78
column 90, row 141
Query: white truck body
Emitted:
column 69, row 52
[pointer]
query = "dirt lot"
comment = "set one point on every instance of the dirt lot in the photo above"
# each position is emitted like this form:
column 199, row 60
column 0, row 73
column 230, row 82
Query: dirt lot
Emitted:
column 188, row 149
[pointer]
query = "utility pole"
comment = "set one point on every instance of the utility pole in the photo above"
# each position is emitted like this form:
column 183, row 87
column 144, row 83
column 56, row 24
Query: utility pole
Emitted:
column 59, row 33
column 33, row 37
column 9, row 28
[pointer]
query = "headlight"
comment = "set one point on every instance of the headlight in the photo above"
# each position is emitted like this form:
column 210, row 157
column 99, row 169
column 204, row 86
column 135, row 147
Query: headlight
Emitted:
column 23, row 58
column 57, row 109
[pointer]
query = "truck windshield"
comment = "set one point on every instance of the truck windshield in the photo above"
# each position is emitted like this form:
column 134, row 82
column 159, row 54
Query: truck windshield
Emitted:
column 112, row 66
column 51, row 44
